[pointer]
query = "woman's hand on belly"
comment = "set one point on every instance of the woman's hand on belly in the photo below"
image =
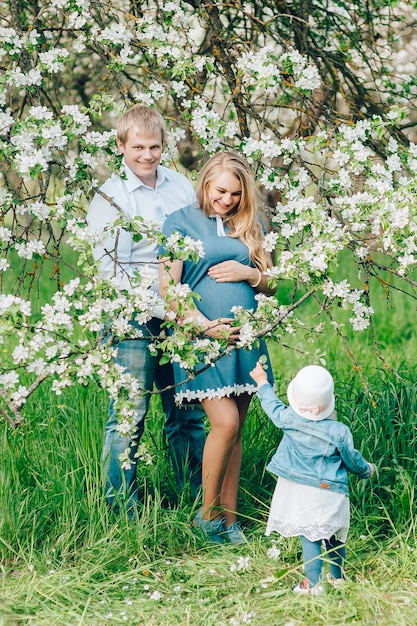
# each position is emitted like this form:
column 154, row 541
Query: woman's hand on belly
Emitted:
column 231, row 272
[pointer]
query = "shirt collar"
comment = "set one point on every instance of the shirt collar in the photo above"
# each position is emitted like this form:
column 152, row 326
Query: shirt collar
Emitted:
column 132, row 182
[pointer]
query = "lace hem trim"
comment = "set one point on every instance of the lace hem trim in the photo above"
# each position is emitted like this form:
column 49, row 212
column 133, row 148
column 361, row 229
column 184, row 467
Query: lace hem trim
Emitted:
column 236, row 390
column 313, row 532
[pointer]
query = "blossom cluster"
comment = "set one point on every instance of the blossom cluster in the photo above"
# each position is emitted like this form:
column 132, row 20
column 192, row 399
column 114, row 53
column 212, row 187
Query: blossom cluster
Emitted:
column 348, row 188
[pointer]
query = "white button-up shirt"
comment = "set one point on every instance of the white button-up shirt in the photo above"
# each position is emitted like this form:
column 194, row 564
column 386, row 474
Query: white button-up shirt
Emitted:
column 119, row 255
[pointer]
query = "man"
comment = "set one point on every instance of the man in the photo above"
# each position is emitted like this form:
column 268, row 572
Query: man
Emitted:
column 152, row 191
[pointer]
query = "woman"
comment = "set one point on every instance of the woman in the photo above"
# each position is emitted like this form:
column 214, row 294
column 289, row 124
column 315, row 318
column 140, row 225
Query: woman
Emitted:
column 230, row 274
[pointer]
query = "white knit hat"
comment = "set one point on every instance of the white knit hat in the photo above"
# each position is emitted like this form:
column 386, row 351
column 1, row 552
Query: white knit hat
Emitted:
column 310, row 393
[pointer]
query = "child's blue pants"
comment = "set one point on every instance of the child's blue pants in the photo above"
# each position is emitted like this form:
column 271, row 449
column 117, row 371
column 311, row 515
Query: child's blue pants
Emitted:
column 313, row 560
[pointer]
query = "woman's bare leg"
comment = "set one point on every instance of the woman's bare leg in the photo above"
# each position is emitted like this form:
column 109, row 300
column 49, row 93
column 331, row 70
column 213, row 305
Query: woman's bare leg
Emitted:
column 230, row 486
column 223, row 415
column 222, row 457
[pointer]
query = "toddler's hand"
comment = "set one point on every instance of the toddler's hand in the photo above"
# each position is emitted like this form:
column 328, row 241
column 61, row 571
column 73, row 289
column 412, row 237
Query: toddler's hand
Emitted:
column 259, row 375
column 372, row 466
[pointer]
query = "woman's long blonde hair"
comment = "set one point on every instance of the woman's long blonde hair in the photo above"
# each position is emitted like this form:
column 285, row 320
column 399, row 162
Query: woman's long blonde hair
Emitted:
column 243, row 220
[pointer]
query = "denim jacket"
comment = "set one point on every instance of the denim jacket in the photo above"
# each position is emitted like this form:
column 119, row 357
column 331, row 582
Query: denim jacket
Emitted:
column 315, row 453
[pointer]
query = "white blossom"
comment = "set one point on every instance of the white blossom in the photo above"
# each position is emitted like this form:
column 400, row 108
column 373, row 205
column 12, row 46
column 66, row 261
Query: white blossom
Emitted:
column 19, row 79
column 53, row 59
column 5, row 233
column 242, row 564
column 116, row 33
column 156, row 595
column 6, row 122
column 270, row 241
column 27, row 249
column 81, row 121
column 309, row 78
column 9, row 380
column 72, row 287
column 246, row 336
column 27, row 161
column 273, row 552
column 20, row 354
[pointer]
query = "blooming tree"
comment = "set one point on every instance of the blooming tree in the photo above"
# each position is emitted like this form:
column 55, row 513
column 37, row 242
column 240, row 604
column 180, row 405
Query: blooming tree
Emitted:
column 319, row 97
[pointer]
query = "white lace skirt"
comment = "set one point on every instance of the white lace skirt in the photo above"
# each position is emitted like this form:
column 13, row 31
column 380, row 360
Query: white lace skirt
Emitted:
column 310, row 511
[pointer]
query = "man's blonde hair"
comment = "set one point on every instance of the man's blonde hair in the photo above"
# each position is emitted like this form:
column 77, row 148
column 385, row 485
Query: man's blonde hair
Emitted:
column 146, row 121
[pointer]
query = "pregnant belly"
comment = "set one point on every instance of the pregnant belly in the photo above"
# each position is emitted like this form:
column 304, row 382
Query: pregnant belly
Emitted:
column 217, row 299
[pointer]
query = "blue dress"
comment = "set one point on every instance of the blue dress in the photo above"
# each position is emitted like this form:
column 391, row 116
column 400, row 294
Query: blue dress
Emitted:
column 230, row 374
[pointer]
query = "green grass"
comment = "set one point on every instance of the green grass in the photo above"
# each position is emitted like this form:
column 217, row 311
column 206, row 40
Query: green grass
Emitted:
column 65, row 560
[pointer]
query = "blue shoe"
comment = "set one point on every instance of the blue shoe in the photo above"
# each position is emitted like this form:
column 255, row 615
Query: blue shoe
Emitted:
column 234, row 534
column 212, row 528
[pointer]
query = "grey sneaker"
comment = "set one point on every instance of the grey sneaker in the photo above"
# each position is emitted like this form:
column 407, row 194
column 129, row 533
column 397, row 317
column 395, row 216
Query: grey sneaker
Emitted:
column 212, row 528
column 335, row 582
column 234, row 534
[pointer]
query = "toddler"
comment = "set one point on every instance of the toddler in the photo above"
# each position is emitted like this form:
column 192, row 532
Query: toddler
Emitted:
column 311, row 498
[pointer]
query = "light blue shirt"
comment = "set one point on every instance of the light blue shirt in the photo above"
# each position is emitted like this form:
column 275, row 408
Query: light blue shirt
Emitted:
column 119, row 255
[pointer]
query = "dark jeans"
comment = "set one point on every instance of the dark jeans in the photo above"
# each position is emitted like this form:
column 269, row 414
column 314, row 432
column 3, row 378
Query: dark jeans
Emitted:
column 184, row 427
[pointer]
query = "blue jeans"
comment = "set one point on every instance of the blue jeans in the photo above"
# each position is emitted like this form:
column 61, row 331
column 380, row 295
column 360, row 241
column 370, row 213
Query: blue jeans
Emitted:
column 336, row 555
column 184, row 427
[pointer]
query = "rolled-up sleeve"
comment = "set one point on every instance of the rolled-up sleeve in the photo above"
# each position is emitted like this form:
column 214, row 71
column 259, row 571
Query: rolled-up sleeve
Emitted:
column 115, row 250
